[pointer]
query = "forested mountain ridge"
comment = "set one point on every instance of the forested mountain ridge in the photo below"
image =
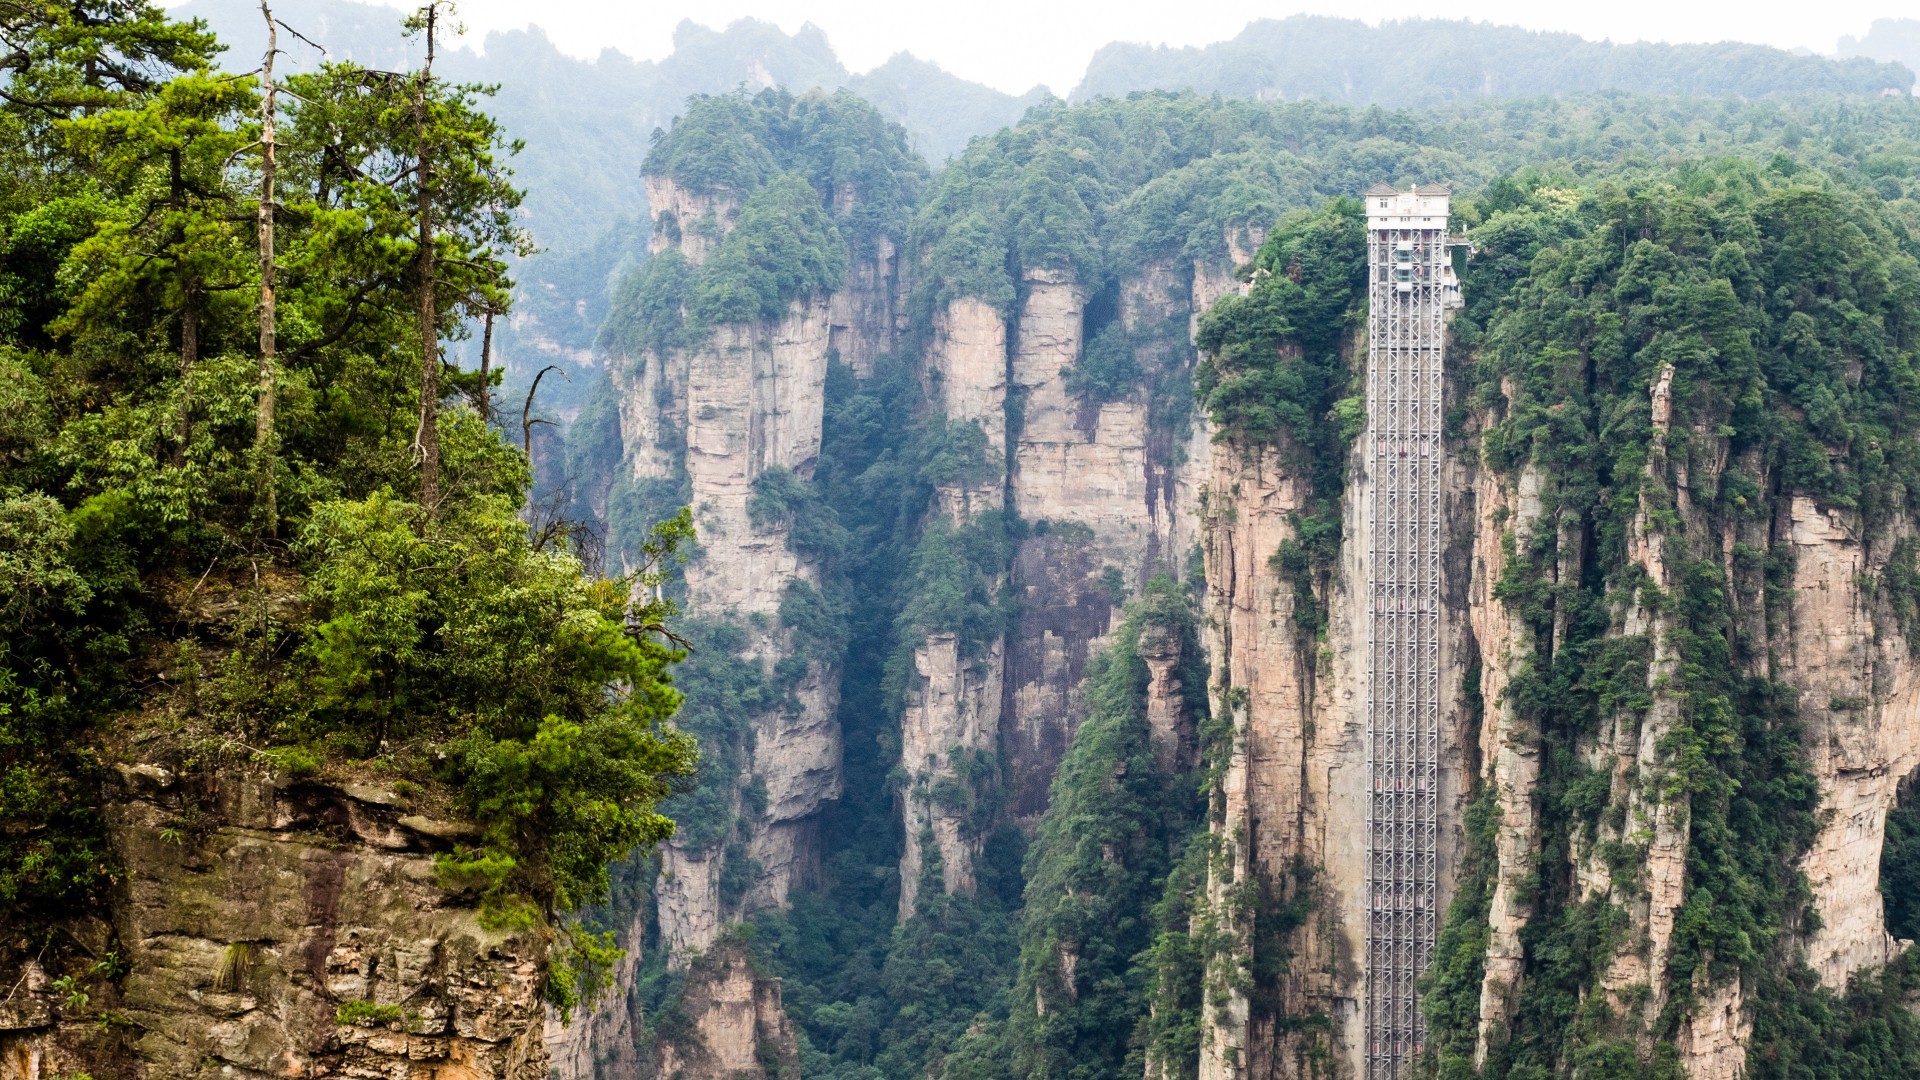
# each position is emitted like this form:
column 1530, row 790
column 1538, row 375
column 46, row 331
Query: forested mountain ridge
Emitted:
column 1431, row 61
column 587, row 122
column 1897, row 40
column 1037, row 864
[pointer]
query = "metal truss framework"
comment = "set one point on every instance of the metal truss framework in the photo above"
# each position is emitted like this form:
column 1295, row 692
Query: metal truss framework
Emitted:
column 1408, row 291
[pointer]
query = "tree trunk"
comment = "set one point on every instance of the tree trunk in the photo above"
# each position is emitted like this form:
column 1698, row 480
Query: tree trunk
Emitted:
column 189, row 326
column 486, row 366
column 263, row 437
column 189, row 356
column 427, row 440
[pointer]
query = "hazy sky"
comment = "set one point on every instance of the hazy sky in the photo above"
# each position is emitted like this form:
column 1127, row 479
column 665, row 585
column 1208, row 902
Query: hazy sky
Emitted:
column 1013, row 45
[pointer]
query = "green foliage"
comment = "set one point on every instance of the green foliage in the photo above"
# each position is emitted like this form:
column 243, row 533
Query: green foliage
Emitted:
column 782, row 499
column 580, row 969
column 1116, row 825
column 1107, row 371
column 1274, row 361
column 1900, row 867
column 836, row 143
column 724, row 692
column 1175, row 965
column 955, row 455
column 458, row 630
column 1450, row 991
column 649, row 308
column 783, row 248
column 952, row 579
column 368, row 1013
column 1803, row 1030
column 1274, row 370
column 805, row 182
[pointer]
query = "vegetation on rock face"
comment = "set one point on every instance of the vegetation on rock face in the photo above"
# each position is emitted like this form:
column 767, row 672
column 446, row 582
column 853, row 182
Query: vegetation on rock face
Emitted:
column 810, row 182
column 1780, row 305
column 1093, row 946
column 1107, row 194
column 1273, row 363
column 185, row 568
column 1277, row 369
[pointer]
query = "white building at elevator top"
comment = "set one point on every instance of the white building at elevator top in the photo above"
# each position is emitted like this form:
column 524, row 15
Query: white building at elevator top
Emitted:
column 1423, row 207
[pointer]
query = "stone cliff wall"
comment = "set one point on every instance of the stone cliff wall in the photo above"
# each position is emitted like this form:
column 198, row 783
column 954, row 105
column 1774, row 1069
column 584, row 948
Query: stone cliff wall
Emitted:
column 1108, row 491
column 1829, row 637
column 249, row 938
column 952, row 720
column 735, row 1026
column 714, row 417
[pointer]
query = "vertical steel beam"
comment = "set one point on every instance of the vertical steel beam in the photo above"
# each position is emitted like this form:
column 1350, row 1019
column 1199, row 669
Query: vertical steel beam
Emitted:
column 1405, row 342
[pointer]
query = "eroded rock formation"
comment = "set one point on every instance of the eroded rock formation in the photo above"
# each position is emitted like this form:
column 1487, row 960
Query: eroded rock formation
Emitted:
column 296, row 929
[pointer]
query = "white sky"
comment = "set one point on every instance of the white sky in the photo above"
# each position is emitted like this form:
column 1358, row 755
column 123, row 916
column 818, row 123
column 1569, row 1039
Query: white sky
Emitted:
column 1014, row 44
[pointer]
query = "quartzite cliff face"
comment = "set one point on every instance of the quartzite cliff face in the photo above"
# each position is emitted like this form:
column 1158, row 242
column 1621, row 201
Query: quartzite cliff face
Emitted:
column 247, row 939
column 712, row 418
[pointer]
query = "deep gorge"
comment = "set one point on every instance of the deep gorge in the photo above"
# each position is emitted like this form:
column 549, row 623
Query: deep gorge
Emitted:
column 1015, row 608
column 1058, row 513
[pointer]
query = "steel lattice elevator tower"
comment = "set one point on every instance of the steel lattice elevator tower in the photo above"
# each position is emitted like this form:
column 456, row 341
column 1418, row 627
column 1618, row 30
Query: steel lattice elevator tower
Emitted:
column 1410, row 285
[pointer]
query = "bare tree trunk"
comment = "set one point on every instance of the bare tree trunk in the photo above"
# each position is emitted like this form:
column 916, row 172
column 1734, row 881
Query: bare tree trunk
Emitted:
column 486, row 366
column 189, row 326
column 189, row 356
column 427, row 439
column 263, row 438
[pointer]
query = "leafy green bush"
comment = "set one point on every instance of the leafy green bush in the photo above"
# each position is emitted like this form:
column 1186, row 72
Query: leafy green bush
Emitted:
column 368, row 1013
column 1107, row 370
column 952, row 583
column 783, row 248
column 457, row 629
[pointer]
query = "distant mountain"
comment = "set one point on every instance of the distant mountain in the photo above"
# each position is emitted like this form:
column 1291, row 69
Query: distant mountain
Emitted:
column 940, row 111
column 587, row 125
column 1895, row 40
column 1430, row 61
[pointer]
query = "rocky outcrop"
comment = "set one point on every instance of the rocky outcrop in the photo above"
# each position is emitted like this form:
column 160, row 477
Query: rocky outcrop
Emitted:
column 1829, row 637
column 713, row 418
column 691, row 221
column 866, row 313
column 1860, row 704
column 275, row 928
column 964, row 378
column 950, row 728
column 1079, row 467
column 1292, row 788
column 1511, row 754
column 730, row 1024
column 947, row 734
